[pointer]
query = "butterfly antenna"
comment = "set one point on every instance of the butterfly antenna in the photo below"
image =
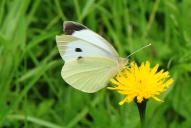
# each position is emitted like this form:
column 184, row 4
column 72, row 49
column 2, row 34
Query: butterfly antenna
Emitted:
column 139, row 50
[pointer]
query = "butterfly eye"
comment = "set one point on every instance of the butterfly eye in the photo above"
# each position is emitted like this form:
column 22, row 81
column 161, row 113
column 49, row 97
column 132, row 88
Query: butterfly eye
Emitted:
column 78, row 50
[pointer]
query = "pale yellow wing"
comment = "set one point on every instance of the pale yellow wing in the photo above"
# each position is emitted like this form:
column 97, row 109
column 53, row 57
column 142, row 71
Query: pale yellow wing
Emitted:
column 89, row 74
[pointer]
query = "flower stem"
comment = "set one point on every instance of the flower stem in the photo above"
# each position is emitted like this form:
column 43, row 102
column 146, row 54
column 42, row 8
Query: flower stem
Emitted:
column 142, row 108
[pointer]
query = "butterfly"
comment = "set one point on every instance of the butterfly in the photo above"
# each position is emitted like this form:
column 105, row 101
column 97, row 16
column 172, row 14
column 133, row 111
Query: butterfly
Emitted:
column 90, row 61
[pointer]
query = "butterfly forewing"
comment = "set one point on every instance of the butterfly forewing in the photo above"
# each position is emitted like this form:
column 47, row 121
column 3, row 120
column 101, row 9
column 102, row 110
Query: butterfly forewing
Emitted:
column 72, row 48
column 82, row 32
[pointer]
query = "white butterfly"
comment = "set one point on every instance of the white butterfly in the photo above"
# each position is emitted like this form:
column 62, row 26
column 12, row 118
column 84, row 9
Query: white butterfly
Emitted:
column 90, row 61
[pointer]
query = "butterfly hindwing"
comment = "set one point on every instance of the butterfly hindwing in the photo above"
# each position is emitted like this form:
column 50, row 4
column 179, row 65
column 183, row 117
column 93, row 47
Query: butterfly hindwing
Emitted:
column 88, row 75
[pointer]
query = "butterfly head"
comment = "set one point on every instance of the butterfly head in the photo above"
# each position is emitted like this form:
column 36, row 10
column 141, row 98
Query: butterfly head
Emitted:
column 122, row 62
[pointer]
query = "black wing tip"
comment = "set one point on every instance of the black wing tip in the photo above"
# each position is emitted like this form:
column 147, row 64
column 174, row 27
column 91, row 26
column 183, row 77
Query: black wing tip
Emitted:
column 70, row 27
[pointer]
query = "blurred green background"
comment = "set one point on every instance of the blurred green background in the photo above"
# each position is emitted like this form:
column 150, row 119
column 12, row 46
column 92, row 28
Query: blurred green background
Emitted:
column 32, row 92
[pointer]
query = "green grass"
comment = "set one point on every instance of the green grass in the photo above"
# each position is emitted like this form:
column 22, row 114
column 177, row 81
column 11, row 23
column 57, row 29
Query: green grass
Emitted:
column 32, row 92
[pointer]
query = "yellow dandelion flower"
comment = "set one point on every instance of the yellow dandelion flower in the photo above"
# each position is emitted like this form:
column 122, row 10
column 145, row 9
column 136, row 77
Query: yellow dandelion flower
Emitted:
column 141, row 82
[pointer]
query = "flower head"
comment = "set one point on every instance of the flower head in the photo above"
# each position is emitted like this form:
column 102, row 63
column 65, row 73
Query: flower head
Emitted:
column 141, row 82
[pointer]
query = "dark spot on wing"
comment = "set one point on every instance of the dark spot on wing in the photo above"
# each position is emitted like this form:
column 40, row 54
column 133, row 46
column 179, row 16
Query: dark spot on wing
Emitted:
column 78, row 50
column 71, row 27
column 79, row 57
